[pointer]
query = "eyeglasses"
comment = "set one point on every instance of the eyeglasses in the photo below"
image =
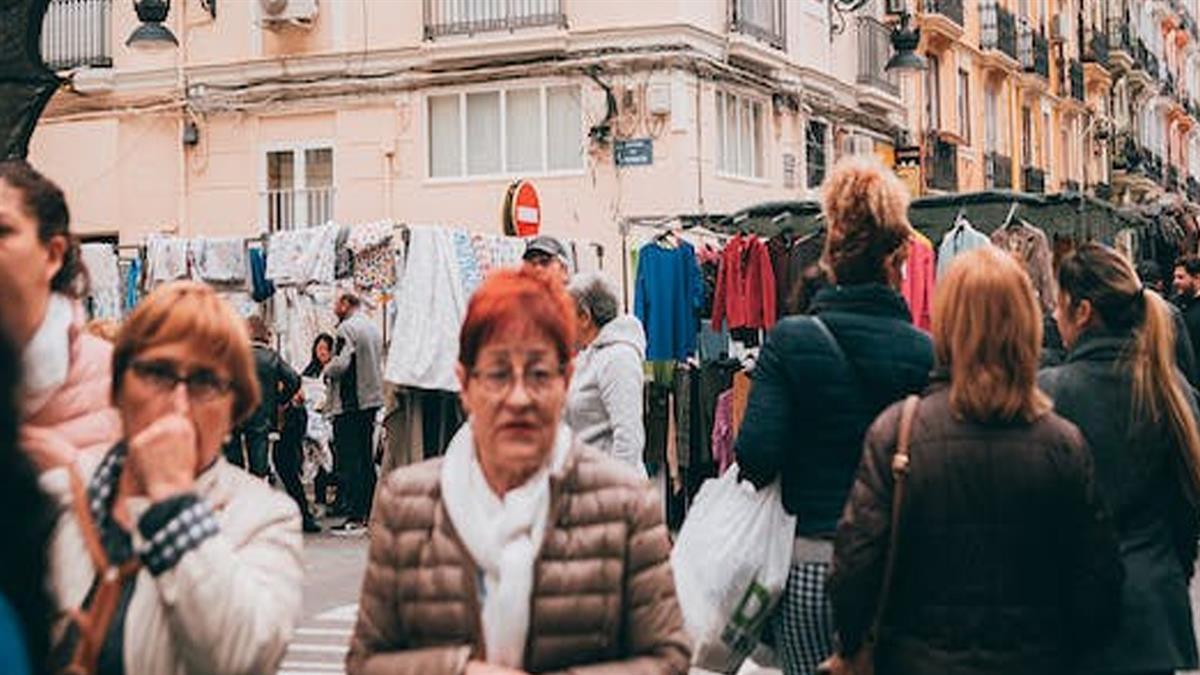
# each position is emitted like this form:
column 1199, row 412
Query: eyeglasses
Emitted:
column 202, row 384
column 500, row 380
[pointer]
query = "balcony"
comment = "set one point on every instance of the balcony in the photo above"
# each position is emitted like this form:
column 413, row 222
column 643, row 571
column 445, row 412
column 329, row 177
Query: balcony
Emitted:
column 75, row 33
column 1119, row 36
column 1102, row 191
column 941, row 164
column 1034, row 50
column 1193, row 189
column 453, row 17
column 1076, row 75
column 762, row 20
column 1128, row 156
column 998, row 171
column 296, row 209
column 1033, row 179
column 998, row 29
column 1070, row 185
column 1173, row 177
column 1095, row 47
column 951, row 9
column 874, row 50
column 1153, row 166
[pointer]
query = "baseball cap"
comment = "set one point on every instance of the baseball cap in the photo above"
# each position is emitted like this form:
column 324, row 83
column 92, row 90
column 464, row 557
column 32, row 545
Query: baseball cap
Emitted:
column 546, row 245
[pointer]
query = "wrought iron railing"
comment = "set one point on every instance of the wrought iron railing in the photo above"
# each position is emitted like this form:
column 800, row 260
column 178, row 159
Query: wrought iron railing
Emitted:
column 293, row 209
column 1119, row 36
column 941, row 164
column 1077, row 91
column 1071, row 185
column 999, row 170
column 951, row 9
column 1153, row 166
column 761, row 19
column 874, row 50
column 77, row 33
column 1095, row 46
column 998, row 28
column 1193, row 189
column 1033, row 179
column 1172, row 177
column 456, row 17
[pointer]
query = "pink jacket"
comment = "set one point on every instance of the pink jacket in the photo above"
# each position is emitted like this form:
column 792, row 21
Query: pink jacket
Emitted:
column 917, row 287
column 80, row 413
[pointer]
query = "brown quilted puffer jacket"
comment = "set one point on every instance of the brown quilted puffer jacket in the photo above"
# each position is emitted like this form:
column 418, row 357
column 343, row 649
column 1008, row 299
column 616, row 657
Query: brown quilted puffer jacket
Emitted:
column 603, row 594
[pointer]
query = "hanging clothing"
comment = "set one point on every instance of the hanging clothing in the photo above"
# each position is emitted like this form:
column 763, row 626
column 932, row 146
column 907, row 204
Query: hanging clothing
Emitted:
column 373, row 265
column 219, row 260
column 166, row 259
column 469, row 269
column 917, row 287
column 722, row 432
column 301, row 314
column 299, row 257
column 667, row 295
column 262, row 287
column 343, row 257
column 779, row 248
column 745, row 292
column 959, row 239
column 104, row 280
column 430, row 306
column 1031, row 248
column 133, row 284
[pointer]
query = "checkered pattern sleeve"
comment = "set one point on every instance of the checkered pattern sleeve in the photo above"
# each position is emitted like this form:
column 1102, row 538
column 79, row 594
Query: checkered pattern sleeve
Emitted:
column 173, row 527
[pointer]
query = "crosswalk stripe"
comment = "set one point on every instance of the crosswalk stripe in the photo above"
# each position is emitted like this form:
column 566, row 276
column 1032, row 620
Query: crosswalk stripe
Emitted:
column 306, row 666
column 333, row 632
column 321, row 649
column 343, row 613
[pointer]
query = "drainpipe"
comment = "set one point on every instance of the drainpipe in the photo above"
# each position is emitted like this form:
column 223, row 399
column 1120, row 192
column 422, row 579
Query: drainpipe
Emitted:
column 184, row 227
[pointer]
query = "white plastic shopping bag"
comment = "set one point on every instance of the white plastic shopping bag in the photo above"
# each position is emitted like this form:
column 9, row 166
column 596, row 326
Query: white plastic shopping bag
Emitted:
column 731, row 564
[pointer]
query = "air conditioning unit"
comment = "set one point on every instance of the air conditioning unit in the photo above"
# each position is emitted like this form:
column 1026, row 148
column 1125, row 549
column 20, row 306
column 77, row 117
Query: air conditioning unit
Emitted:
column 1059, row 27
column 276, row 13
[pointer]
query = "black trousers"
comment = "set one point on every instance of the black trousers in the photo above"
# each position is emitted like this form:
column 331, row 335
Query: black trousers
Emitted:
column 249, row 444
column 289, row 456
column 355, row 465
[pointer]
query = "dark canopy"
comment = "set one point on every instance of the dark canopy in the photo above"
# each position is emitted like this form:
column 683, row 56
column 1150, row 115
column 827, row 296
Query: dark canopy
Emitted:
column 26, row 85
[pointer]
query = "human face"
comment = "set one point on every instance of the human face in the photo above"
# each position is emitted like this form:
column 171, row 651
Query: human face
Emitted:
column 549, row 262
column 585, row 329
column 1184, row 283
column 27, row 266
column 144, row 398
column 514, row 395
column 341, row 309
column 324, row 352
column 1072, row 321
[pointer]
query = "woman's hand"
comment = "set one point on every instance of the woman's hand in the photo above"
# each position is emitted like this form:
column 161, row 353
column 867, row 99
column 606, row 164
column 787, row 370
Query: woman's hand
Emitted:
column 47, row 448
column 163, row 455
column 481, row 668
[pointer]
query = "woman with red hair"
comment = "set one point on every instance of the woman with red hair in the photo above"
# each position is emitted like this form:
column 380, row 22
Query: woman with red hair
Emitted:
column 521, row 550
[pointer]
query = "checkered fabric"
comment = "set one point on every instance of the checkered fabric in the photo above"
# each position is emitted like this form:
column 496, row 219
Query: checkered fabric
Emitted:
column 186, row 522
column 803, row 623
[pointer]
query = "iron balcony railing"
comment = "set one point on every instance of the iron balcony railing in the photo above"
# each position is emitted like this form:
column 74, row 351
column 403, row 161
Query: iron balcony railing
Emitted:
column 1103, row 190
column 293, row 209
column 1172, row 177
column 951, row 9
column 1193, row 189
column 468, row 17
column 1077, row 90
column 761, row 19
column 874, row 50
column 1128, row 156
column 999, row 170
column 77, row 33
column 941, row 164
column 1070, row 185
column 1153, row 166
column 1033, row 179
column 1119, row 38
column 999, row 28
column 1095, row 46
column 1034, row 51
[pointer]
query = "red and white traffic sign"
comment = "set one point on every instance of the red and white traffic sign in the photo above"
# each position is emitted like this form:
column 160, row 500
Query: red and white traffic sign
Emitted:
column 526, row 209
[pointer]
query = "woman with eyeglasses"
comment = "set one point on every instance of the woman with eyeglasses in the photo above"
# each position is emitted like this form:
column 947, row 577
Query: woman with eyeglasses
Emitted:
column 170, row 559
column 522, row 550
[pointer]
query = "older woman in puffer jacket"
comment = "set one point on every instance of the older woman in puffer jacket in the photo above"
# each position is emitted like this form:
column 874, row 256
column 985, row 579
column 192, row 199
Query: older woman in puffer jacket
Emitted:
column 522, row 550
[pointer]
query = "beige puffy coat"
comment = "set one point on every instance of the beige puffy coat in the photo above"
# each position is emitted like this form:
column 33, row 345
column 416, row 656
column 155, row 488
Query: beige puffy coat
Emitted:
column 603, row 595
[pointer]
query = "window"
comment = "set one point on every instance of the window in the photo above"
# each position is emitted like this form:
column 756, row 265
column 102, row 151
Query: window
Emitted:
column 933, row 95
column 814, row 141
column 299, row 187
column 1026, row 136
column 964, row 105
column 509, row 131
column 1047, row 140
column 739, row 136
column 991, row 120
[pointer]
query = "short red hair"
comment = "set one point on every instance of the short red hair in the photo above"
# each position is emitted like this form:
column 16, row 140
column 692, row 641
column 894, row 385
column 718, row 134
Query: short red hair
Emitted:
column 520, row 297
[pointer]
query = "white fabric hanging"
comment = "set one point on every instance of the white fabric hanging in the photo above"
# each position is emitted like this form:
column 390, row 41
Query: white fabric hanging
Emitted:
column 166, row 259
column 220, row 260
column 104, row 279
column 306, row 256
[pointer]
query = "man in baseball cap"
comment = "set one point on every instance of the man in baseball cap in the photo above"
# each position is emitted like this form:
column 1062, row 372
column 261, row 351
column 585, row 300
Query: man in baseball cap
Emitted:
column 546, row 251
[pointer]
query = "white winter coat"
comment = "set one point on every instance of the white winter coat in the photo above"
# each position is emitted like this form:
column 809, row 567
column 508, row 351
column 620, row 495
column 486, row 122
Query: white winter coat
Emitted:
column 604, row 404
column 226, row 608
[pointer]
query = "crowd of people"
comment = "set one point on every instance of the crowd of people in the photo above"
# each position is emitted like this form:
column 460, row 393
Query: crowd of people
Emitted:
column 960, row 507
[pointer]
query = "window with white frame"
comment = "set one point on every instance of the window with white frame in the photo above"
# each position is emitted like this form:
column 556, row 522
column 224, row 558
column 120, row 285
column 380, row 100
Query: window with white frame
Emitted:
column 512, row 131
column 299, row 187
column 739, row 136
column 816, row 134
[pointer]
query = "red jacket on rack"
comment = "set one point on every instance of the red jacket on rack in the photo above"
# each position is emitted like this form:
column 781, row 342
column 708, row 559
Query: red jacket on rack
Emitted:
column 745, row 293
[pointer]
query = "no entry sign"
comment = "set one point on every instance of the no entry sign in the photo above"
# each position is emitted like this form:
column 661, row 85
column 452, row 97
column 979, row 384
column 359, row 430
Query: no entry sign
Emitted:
column 523, row 209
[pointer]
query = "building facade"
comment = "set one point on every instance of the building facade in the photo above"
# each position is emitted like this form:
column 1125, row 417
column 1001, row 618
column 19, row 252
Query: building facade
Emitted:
column 277, row 114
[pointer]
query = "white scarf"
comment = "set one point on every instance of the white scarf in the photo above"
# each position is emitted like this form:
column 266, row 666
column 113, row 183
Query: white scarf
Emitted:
column 46, row 360
column 503, row 536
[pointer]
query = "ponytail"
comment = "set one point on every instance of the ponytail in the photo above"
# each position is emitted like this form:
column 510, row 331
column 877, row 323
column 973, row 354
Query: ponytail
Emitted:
column 1158, row 389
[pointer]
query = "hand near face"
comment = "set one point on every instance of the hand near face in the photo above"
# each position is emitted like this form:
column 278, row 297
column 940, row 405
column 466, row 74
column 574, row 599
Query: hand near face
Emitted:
column 46, row 447
column 163, row 455
column 481, row 668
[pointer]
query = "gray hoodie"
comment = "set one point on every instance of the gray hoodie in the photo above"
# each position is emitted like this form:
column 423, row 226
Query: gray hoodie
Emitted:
column 604, row 404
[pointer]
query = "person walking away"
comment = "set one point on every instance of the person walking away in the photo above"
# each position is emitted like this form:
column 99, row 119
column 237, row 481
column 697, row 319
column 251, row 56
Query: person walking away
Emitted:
column 322, row 353
column 1185, row 357
column 1005, row 561
column 820, row 381
column 355, row 376
column 165, row 558
column 1186, row 284
column 65, row 371
column 522, row 549
column 277, row 382
column 604, row 403
column 1121, row 387
column 28, row 517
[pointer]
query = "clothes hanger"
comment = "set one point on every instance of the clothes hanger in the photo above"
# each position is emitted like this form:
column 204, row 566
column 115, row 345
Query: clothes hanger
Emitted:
column 1009, row 221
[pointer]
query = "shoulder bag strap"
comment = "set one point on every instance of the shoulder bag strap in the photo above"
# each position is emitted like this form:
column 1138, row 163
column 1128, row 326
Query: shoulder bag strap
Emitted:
column 900, row 462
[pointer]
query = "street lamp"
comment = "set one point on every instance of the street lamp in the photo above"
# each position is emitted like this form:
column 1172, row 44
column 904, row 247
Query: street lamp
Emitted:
column 152, row 35
column 904, row 39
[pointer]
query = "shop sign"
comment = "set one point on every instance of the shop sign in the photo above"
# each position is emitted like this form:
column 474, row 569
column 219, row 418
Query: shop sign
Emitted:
column 634, row 152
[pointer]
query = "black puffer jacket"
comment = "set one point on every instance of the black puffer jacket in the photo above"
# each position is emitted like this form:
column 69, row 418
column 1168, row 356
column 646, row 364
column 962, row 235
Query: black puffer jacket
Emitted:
column 1006, row 563
column 811, row 401
column 1138, row 471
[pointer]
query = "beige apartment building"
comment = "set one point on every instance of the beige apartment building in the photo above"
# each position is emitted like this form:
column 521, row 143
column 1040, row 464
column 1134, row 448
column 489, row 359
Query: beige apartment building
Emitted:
column 277, row 114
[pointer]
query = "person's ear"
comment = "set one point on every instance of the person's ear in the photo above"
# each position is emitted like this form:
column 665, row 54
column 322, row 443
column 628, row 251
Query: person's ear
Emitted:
column 56, row 250
column 464, row 381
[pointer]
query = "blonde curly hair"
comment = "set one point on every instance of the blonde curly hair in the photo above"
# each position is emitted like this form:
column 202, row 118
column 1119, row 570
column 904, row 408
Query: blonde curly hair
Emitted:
column 866, row 215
